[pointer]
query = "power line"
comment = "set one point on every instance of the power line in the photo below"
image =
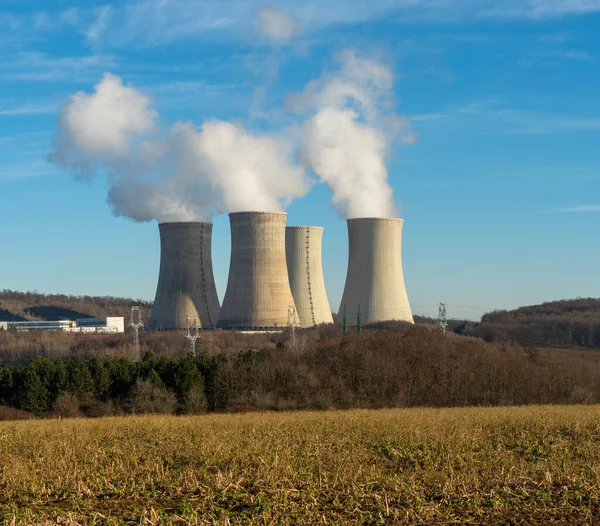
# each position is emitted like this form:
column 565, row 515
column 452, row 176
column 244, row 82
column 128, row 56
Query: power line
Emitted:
column 478, row 307
column 473, row 307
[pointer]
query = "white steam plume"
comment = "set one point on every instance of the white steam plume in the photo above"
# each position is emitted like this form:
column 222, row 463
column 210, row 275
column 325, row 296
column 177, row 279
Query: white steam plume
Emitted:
column 101, row 130
column 186, row 174
column 350, row 130
column 162, row 199
column 247, row 172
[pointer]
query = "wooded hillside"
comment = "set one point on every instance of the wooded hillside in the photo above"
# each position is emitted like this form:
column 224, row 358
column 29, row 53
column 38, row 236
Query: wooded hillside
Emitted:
column 21, row 306
column 564, row 323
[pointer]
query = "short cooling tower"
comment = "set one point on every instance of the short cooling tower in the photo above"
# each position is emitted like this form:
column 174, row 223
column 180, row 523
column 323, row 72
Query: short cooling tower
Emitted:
column 305, row 269
column 375, row 288
column 186, row 285
column 258, row 292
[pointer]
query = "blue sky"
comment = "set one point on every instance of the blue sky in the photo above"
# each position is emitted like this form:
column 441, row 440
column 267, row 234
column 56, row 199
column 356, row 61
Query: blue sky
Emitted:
column 500, row 194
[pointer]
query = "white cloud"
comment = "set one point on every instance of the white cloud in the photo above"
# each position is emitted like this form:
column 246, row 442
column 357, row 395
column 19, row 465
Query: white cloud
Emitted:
column 278, row 26
column 31, row 170
column 191, row 87
column 555, row 57
column 41, row 20
column 553, row 8
column 578, row 209
column 49, row 21
column 537, row 9
column 575, row 55
column 100, row 24
column 493, row 118
column 70, row 16
column 41, row 67
column 32, row 109
column 101, row 128
column 11, row 22
column 154, row 22
column 560, row 37
column 27, row 138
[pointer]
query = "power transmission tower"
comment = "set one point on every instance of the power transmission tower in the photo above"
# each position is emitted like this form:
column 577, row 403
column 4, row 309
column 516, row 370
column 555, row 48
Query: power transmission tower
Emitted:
column 442, row 319
column 193, row 332
column 292, row 325
column 136, row 324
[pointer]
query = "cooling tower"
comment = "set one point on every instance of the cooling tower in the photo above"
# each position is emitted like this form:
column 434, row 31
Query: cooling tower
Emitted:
column 375, row 282
column 186, row 285
column 258, row 293
column 305, row 269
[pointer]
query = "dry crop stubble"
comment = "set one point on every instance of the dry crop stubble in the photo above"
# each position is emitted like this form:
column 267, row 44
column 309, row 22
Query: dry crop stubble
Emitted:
column 434, row 466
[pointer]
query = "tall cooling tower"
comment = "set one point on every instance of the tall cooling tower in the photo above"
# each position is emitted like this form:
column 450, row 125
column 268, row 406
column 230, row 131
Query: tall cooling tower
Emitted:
column 375, row 281
column 186, row 285
column 258, row 292
column 305, row 268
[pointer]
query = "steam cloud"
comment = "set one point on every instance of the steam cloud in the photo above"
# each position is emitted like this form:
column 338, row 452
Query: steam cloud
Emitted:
column 101, row 129
column 257, row 177
column 349, row 131
column 188, row 174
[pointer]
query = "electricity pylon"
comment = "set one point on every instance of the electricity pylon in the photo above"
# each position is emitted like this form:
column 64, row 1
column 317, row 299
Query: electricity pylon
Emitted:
column 136, row 325
column 193, row 333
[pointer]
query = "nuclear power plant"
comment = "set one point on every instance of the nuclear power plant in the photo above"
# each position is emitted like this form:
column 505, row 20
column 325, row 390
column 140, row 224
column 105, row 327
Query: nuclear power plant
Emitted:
column 305, row 268
column 374, row 289
column 276, row 275
column 186, row 285
column 258, row 294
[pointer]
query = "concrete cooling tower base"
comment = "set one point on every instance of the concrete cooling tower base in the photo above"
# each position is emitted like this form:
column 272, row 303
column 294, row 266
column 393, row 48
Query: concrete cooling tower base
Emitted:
column 258, row 295
column 186, row 285
column 374, row 289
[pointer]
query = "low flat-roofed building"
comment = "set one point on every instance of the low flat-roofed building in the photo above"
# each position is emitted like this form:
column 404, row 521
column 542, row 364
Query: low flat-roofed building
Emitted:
column 59, row 325
column 110, row 324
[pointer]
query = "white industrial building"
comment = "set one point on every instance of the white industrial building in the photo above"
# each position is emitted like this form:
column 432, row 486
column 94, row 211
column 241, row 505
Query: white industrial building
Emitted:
column 60, row 325
column 97, row 325
column 112, row 324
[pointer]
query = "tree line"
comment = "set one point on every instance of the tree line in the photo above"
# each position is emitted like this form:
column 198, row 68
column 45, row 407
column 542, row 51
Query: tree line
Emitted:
column 382, row 368
column 565, row 323
column 100, row 386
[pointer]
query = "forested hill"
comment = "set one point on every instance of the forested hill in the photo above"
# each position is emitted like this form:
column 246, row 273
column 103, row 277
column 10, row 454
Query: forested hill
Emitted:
column 564, row 323
column 577, row 309
column 20, row 306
